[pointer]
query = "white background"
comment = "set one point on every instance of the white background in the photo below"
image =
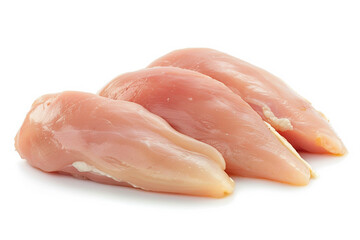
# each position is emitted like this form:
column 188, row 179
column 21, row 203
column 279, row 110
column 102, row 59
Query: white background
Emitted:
column 80, row 45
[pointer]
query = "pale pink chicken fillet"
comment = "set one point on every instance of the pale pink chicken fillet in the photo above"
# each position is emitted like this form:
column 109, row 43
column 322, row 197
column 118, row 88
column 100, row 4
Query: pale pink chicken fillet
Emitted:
column 289, row 113
column 205, row 109
column 118, row 142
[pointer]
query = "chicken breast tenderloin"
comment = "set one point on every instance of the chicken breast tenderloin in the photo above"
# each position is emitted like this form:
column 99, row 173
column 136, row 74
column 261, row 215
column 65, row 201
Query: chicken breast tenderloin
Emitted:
column 118, row 142
column 205, row 109
column 289, row 113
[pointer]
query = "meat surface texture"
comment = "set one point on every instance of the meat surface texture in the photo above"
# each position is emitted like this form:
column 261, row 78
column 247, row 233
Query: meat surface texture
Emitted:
column 289, row 113
column 118, row 142
column 205, row 109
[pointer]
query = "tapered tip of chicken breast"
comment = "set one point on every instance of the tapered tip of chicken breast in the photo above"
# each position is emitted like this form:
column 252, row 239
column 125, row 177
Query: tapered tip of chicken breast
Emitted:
column 331, row 144
column 225, row 188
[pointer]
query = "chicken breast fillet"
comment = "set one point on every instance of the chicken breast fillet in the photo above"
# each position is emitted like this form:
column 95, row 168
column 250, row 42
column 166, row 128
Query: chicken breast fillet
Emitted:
column 205, row 109
column 118, row 142
column 289, row 113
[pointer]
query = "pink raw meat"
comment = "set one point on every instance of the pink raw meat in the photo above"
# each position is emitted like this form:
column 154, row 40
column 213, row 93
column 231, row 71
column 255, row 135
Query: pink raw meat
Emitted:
column 205, row 109
column 118, row 142
column 289, row 113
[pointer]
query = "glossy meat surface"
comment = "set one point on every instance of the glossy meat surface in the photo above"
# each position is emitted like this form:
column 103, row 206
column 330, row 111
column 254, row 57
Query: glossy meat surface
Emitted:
column 118, row 142
column 289, row 113
column 205, row 109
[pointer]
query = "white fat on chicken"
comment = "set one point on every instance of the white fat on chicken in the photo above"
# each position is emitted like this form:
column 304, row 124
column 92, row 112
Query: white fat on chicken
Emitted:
column 291, row 148
column 280, row 124
column 84, row 167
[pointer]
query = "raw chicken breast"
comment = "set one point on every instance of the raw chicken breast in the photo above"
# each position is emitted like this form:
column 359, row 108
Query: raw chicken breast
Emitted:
column 118, row 142
column 205, row 109
column 290, row 114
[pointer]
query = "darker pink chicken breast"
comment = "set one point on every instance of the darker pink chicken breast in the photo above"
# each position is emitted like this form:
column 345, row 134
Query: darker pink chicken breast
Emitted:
column 289, row 113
